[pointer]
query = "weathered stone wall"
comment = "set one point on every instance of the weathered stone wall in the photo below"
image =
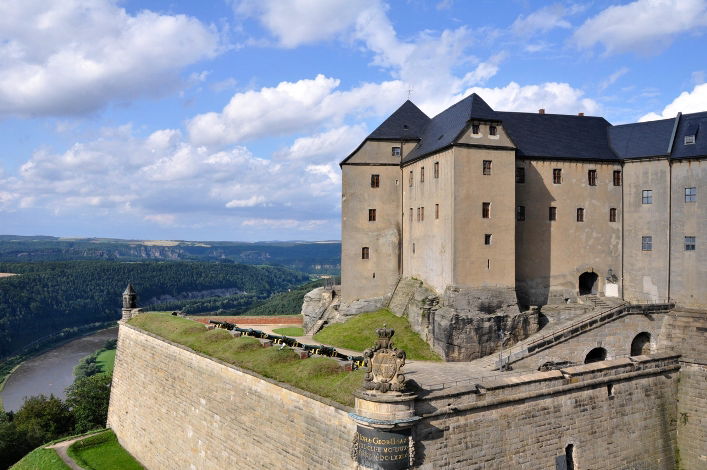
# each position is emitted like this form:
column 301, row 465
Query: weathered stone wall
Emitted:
column 692, row 417
column 617, row 415
column 172, row 408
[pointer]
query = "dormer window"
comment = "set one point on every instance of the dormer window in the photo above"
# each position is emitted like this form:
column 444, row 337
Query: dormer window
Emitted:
column 493, row 130
column 475, row 129
column 689, row 139
column 691, row 129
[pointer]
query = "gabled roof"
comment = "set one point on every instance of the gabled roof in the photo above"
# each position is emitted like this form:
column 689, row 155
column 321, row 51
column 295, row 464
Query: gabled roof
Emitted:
column 642, row 139
column 558, row 135
column 406, row 123
column 443, row 129
column 691, row 124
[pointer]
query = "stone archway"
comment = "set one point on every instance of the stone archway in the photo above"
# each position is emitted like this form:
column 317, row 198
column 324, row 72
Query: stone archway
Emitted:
column 641, row 344
column 588, row 283
column 595, row 355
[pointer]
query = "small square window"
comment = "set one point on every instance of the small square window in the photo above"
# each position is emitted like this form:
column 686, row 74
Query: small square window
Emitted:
column 436, row 169
column 395, row 151
column 410, row 179
column 371, row 215
column 486, row 210
column 557, row 176
column 375, row 181
column 487, row 167
column 422, row 174
column 691, row 194
column 617, row 177
column 647, row 243
column 487, row 239
column 689, row 139
column 592, row 177
column 520, row 175
column 647, row 196
column 552, row 215
column 520, row 213
column 436, row 211
column 493, row 130
column 364, row 252
column 689, row 243
column 580, row 214
column 475, row 129
column 612, row 214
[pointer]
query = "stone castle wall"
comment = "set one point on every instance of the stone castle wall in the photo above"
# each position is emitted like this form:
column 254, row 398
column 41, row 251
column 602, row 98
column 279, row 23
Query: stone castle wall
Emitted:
column 173, row 408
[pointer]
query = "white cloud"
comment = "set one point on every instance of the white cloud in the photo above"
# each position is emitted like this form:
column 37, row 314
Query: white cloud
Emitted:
column 60, row 57
column 330, row 145
column 250, row 202
column 643, row 26
column 687, row 102
column 542, row 20
column 611, row 79
column 558, row 98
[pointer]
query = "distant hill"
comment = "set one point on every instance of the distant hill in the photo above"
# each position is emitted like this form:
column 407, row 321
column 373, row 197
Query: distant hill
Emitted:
column 310, row 257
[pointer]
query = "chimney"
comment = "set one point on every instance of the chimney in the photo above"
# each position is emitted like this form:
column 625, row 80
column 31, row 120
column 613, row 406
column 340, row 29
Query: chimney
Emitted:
column 541, row 111
column 580, row 114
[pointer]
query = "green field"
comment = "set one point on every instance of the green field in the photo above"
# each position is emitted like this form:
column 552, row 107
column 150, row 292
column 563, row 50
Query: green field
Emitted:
column 319, row 375
column 106, row 361
column 102, row 452
column 359, row 333
column 41, row 459
column 289, row 331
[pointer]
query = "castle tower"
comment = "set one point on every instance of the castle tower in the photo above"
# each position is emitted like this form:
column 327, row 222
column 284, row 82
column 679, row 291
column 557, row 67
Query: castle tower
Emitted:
column 129, row 302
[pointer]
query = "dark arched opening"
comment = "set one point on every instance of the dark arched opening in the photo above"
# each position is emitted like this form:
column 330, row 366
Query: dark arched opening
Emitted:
column 588, row 283
column 595, row 355
column 569, row 457
column 641, row 344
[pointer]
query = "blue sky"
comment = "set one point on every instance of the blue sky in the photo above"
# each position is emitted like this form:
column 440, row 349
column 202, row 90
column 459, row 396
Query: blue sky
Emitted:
column 226, row 120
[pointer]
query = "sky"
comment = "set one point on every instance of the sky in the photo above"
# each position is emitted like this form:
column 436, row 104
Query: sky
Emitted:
column 226, row 119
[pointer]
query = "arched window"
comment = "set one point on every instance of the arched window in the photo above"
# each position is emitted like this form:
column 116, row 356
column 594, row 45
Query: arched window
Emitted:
column 641, row 344
column 595, row 355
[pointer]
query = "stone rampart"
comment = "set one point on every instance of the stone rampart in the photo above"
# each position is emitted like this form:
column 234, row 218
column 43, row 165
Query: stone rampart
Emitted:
column 173, row 408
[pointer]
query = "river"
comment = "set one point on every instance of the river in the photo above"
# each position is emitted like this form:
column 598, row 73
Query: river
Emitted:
column 52, row 371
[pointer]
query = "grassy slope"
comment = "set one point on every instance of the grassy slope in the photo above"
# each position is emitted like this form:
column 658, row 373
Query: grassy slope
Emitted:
column 106, row 360
column 102, row 452
column 289, row 331
column 359, row 333
column 319, row 375
column 40, row 459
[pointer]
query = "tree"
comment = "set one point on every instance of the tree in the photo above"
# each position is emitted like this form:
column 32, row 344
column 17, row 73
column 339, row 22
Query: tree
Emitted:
column 88, row 399
column 12, row 443
column 42, row 419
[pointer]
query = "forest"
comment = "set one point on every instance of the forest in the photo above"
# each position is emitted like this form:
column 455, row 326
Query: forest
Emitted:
column 45, row 298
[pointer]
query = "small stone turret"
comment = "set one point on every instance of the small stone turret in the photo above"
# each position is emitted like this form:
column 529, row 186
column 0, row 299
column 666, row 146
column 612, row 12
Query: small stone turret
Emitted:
column 130, row 303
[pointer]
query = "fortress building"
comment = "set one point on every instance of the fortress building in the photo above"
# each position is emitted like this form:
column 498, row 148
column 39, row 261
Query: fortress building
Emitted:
column 534, row 207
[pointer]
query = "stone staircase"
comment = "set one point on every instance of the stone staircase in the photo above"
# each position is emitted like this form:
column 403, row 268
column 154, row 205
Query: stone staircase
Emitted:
column 318, row 325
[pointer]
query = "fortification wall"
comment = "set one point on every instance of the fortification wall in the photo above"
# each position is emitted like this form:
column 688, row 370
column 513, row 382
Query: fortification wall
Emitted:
column 173, row 408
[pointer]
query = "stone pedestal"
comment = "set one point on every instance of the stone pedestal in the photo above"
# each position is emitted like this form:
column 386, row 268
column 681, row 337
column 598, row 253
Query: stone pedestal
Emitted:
column 383, row 439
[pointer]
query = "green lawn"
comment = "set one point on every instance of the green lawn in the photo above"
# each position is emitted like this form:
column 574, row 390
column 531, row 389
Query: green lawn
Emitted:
column 106, row 361
column 289, row 331
column 102, row 452
column 319, row 375
column 359, row 333
column 40, row 459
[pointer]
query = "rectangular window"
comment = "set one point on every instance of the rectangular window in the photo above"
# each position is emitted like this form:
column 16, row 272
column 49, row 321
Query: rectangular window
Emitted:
column 520, row 213
column 647, row 196
column 580, row 214
column 487, row 167
column 487, row 239
column 411, row 215
column 364, row 252
column 395, row 151
column 410, row 179
column 436, row 211
column 552, row 215
column 617, row 177
column 612, row 214
column 520, row 174
column 475, row 129
column 422, row 174
column 436, row 169
column 418, row 214
column 493, row 130
column 647, row 243
column 371, row 215
column 557, row 176
column 486, row 210
column 690, row 194
column 592, row 177
column 375, row 181
column 689, row 243
column 422, row 214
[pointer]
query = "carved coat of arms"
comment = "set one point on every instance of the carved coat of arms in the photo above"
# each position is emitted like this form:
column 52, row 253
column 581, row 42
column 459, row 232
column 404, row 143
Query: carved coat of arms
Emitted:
column 383, row 363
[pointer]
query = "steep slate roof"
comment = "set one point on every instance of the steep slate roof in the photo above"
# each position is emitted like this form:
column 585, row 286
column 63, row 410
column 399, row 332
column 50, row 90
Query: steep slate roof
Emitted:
column 406, row 123
column 642, row 139
column 691, row 124
column 443, row 129
column 558, row 135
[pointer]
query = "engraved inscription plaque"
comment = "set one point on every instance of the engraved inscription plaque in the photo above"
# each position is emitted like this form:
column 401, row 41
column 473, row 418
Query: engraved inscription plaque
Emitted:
column 383, row 450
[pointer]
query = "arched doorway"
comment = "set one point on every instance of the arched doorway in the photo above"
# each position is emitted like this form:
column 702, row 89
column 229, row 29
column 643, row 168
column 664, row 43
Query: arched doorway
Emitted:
column 641, row 344
column 588, row 283
column 595, row 355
